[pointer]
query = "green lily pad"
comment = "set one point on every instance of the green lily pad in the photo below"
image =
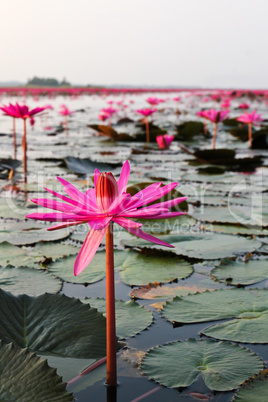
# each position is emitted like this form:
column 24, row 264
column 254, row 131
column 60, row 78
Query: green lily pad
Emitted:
column 95, row 271
column 223, row 365
column 131, row 318
column 215, row 246
column 153, row 266
column 52, row 323
column 25, row 237
column 229, row 214
column 235, row 229
column 205, row 246
column 254, row 389
column 42, row 254
column 26, row 378
column 241, row 273
column 247, row 308
column 32, row 282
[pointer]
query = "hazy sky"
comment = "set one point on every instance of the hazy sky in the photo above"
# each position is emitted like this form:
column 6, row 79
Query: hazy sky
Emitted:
column 208, row 43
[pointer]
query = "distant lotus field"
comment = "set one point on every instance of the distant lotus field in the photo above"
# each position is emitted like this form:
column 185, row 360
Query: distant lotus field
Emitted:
column 133, row 245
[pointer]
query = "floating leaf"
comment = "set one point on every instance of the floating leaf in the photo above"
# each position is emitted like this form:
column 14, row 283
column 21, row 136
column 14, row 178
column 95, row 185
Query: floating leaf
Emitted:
column 52, row 323
column 87, row 166
column 131, row 318
column 235, row 229
column 96, row 270
column 248, row 310
column 25, row 377
column 205, row 246
column 254, row 389
column 33, row 236
column 241, row 273
column 152, row 266
column 42, row 253
column 154, row 291
column 24, row 280
column 189, row 129
column 223, row 365
column 104, row 130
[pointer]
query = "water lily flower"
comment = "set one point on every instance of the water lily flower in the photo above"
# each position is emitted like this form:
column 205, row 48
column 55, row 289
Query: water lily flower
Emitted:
column 21, row 112
column 100, row 207
column 153, row 101
column 251, row 119
column 64, row 111
column 215, row 116
column 109, row 111
column 107, row 202
column 201, row 114
column 146, row 113
column 244, row 106
column 103, row 116
column 164, row 141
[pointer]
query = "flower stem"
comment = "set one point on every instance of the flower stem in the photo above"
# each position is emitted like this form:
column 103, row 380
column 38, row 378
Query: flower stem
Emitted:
column 250, row 134
column 66, row 124
column 214, row 136
column 111, row 378
column 24, row 146
column 14, row 138
column 147, row 130
column 205, row 127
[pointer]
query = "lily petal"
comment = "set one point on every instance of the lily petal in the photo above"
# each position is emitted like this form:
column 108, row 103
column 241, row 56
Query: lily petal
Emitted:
column 123, row 179
column 88, row 250
column 143, row 235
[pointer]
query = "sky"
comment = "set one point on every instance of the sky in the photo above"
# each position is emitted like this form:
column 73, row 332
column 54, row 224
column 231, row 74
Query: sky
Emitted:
column 191, row 43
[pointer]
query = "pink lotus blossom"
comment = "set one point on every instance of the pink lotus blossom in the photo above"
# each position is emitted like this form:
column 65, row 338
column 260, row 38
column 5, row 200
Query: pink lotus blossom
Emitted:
column 20, row 111
column 164, row 141
column 250, row 118
column 103, row 116
column 109, row 111
column 215, row 116
column 244, row 106
column 146, row 112
column 153, row 101
column 107, row 202
column 64, row 111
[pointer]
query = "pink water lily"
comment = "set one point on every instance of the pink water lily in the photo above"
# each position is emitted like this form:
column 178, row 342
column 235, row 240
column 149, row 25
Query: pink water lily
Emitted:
column 21, row 112
column 153, row 101
column 65, row 111
column 251, row 119
column 103, row 116
column 107, row 202
column 244, row 106
column 215, row 116
column 146, row 113
column 164, row 141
